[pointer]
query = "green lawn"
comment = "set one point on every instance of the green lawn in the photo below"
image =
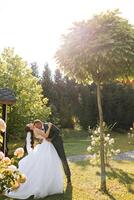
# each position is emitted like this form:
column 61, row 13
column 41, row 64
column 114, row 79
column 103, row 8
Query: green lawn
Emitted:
column 76, row 142
column 123, row 142
column 86, row 178
column 86, row 181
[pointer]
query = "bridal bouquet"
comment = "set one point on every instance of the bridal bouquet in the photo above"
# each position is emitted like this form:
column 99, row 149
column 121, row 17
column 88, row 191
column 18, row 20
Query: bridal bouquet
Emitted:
column 10, row 176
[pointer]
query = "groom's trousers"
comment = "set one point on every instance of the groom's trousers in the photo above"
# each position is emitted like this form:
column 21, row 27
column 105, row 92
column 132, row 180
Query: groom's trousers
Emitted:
column 58, row 144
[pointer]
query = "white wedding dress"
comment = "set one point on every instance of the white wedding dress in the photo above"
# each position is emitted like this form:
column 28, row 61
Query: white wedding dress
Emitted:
column 43, row 170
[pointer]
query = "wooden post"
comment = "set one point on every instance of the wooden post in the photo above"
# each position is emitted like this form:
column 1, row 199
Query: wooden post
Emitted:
column 4, row 135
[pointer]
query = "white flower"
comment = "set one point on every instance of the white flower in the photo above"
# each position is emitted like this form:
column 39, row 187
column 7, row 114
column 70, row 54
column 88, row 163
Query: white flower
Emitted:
column 131, row 128
column 19, row 152
column 1, row 155
column 111, row 141
column 89, row 148
column 95, row 132
column 12, row 167
column 118, row 151
column 2, row 125
column 93, row 143
column 106, row 139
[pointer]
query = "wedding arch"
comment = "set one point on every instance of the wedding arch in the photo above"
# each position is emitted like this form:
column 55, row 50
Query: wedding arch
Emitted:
column 7, row 98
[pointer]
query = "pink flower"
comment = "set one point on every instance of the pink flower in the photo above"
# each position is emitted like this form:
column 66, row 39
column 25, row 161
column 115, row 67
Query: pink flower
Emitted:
column 19, row 152
column 2, row 125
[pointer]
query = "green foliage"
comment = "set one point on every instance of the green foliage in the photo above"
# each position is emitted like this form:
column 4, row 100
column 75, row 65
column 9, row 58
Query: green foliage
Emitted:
column 63, row 97
column 94, row 147
column 30, row 104
column 70, row 101
column 118, row 104
column 99, row 49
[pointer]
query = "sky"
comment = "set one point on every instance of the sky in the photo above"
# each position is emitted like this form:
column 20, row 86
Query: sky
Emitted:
column 34, row 27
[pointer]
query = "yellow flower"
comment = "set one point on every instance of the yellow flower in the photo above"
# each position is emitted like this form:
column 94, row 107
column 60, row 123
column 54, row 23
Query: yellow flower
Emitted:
column 7, row 171
column 22, row 178
column 19, row 152
column 6, row 160
column 15, row 185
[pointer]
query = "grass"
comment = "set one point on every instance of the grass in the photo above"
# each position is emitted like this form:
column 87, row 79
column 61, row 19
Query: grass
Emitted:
column 86, row 178
column 76, row 142
column 122, row 142
column 86, row 182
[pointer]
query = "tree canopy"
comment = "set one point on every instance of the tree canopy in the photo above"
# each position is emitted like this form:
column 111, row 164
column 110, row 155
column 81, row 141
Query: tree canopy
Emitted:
column 30, row 104
column 99, row 49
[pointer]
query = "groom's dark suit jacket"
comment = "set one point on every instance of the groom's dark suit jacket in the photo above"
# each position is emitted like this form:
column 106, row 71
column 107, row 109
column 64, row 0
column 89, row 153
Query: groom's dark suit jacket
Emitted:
column 54, row 132
column 56, row 140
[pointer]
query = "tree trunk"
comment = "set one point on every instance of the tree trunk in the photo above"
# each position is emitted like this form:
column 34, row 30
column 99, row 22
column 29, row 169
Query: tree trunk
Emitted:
column 102, row 155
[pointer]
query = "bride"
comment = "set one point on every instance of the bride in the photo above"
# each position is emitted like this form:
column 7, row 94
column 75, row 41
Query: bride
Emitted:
column 42, row 167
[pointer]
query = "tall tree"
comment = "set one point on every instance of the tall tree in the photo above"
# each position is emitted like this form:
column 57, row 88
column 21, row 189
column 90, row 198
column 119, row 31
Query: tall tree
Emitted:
column 47, row 83
column 87, row 109
column 58, row 98
column 98, row 50
column 35, row 71
column 30, row 104
column 118, row 104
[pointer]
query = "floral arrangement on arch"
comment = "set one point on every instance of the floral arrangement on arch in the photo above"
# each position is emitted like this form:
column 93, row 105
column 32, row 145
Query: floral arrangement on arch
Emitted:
column 10, row 177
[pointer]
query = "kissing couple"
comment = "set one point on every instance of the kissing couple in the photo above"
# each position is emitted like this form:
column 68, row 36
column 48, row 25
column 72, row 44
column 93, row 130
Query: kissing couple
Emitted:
column 43, row 163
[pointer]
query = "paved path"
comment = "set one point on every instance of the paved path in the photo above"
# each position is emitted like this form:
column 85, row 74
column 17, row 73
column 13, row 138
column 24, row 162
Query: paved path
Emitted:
column 78, row 158
column 121, row 156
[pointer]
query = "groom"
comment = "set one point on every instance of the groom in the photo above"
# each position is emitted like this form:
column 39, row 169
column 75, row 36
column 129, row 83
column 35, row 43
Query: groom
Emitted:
column 55, row 138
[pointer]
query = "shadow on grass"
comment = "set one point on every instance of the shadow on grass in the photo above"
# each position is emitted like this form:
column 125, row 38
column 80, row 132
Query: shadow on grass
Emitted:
column 110, row 195
column 67, row 195
column 124, row 178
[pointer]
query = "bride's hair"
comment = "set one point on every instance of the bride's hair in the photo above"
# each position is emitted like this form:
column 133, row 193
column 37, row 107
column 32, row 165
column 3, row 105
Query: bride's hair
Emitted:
column 27, row 129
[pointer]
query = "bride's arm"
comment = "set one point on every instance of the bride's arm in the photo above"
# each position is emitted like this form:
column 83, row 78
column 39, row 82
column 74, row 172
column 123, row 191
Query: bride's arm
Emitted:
column 28, row 142
column 40, row 133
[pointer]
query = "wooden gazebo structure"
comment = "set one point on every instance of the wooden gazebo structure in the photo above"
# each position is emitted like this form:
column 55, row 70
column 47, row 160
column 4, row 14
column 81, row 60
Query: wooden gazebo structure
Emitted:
column 7, row 97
